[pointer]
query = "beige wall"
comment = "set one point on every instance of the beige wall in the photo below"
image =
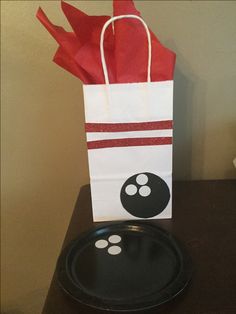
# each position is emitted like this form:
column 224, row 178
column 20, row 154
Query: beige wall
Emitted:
column 43, row 145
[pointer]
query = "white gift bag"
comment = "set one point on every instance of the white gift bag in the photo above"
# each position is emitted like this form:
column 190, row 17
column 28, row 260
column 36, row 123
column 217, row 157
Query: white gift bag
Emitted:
column 129, row 138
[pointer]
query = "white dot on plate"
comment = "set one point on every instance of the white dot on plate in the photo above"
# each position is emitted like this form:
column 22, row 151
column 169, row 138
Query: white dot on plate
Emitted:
column 131, row 189
column 114, row 239
column 142, row 179
column 145, row 190
column 101, row 244
column 114, row 250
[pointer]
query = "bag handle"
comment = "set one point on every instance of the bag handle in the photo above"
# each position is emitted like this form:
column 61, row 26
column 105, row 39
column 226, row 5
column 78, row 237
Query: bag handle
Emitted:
column 118, row 17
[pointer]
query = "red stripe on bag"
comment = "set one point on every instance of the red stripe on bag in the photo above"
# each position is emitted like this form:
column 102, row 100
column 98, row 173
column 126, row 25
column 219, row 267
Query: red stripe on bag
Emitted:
column 124, row 142
column 128, row 127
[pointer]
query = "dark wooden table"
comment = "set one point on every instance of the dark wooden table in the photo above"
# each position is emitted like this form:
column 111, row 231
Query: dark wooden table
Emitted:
column 204, row 219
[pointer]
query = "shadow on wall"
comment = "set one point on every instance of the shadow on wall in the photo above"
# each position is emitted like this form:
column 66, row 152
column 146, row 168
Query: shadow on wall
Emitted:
column 231, row 173
column 13, row 312
column 182, row 116
column 189, row 120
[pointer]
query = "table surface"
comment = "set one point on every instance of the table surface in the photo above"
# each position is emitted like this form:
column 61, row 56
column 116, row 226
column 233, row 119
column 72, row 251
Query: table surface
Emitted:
column 204, row 219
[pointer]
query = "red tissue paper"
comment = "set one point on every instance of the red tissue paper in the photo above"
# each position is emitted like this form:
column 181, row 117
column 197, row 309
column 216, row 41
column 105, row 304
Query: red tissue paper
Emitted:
column 125, row 46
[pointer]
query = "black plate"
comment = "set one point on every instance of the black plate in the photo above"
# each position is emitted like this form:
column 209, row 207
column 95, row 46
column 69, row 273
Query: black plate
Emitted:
column 149, row 268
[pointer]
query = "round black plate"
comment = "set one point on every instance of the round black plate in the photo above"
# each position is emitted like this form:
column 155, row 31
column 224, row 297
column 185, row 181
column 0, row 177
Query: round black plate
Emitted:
column 144, row 268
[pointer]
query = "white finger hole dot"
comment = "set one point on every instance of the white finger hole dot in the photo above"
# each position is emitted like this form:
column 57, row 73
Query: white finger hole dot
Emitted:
column 101, row 244
column 145, row 191
column 114, row 239
column 114, row 250
column 131, row 189
column 142, row 179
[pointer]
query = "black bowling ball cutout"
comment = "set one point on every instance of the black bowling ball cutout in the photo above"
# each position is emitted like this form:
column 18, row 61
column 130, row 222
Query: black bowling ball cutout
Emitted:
column 145, row 195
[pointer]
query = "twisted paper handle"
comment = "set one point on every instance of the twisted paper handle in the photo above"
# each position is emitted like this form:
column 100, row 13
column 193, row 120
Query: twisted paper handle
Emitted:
column 119, row 17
